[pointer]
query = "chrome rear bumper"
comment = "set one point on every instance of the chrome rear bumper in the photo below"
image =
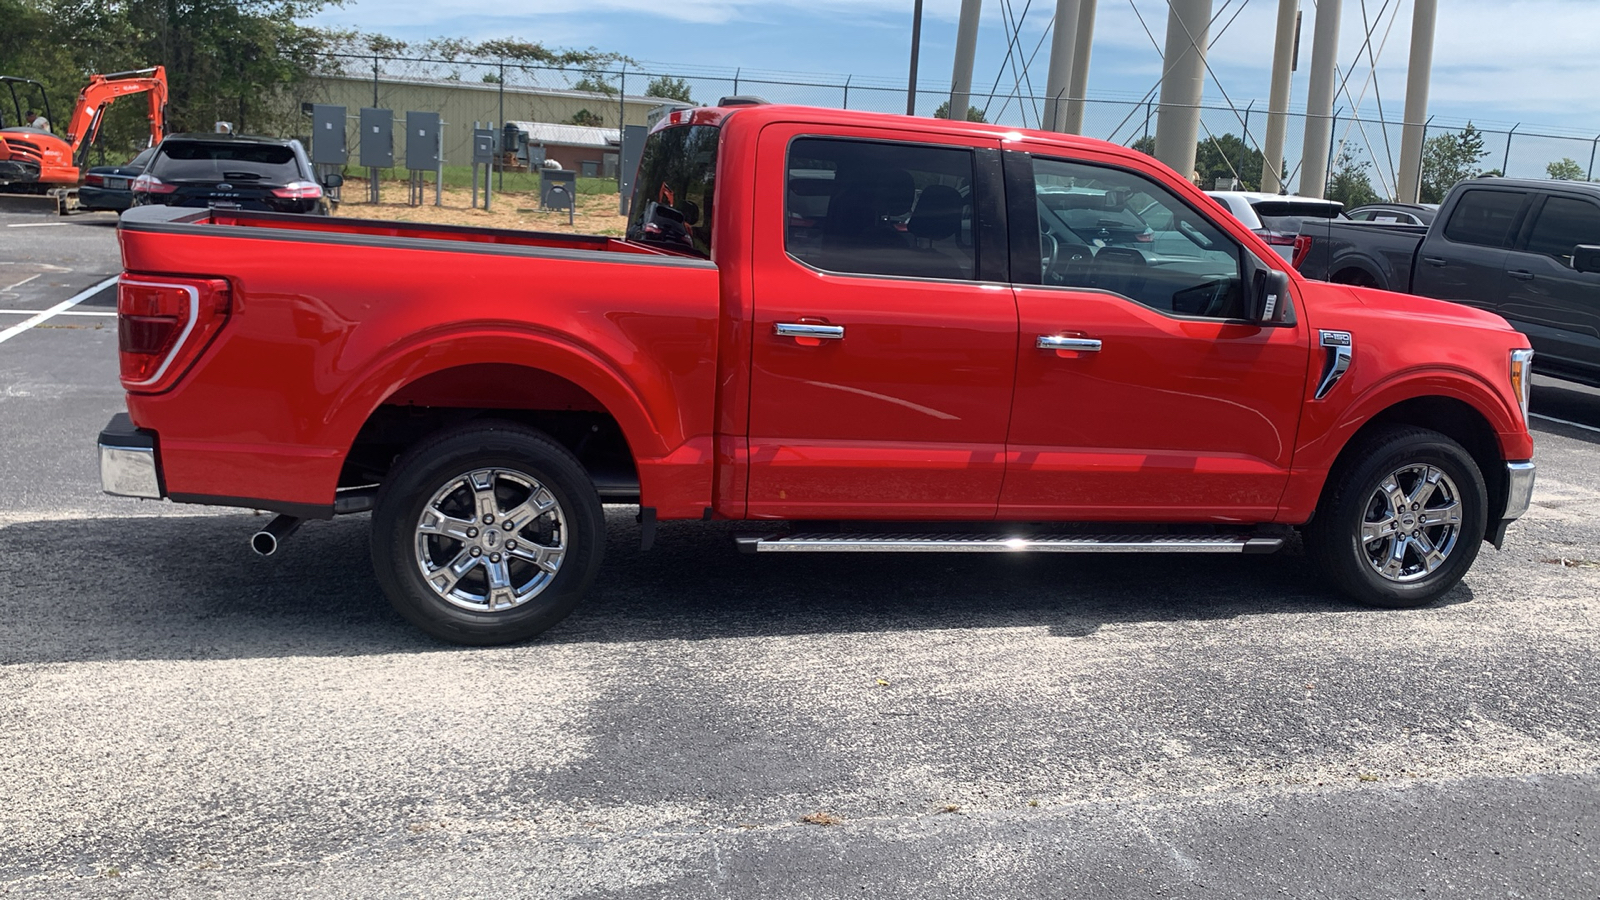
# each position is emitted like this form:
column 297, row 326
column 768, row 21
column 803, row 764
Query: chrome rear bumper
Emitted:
column 128, row 466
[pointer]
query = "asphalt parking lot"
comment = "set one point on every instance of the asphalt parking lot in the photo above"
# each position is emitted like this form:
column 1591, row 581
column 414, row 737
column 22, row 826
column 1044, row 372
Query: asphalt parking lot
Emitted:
column 181, row 718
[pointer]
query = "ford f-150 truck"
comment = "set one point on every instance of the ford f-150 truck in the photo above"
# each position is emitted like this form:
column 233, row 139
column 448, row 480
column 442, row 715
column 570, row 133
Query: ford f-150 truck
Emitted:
column 1526, row 249
column 879, row 322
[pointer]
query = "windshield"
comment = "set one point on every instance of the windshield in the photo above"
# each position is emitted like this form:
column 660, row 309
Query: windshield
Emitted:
column 198, row 161
column 672, row 196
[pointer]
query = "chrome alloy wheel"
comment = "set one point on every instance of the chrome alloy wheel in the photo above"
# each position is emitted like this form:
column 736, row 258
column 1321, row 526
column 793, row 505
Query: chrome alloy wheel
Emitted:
column 490, row 539
column 1412, row 523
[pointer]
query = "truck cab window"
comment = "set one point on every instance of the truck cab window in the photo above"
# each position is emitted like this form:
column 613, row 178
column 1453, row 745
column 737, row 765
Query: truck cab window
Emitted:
column 1563, row 224
column 1484, row 217
column 671, row 205
column 1113, row 230
column 880, row 209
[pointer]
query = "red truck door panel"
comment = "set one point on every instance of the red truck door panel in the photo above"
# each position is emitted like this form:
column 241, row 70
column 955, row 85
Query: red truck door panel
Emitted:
column 1151, row 400
column 881, row 371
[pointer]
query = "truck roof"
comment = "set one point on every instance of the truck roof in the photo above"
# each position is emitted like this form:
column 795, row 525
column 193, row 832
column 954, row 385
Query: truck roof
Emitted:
column 774, row 112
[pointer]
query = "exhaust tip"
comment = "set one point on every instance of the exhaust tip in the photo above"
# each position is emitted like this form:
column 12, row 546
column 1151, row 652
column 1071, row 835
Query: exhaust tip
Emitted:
column 264, row 543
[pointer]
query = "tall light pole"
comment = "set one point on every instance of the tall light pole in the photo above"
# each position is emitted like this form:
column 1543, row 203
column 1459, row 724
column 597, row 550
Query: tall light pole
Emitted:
column 1063, row 43
column 1418, row 71
column 1183, row 83
column 916, row 45
column 1278, row 103
column 1080, row 67
column 1319, row 101
column 966, row 50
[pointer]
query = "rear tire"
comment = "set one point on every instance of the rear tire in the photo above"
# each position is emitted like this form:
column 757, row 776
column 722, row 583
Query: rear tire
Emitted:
column 488, row 534
column 1401, row 523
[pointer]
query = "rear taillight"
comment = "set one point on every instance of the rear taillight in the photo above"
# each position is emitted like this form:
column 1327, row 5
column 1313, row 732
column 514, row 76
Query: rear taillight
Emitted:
column 1302, row 246
column 1277, row 238
column 94, row 179
column 163, row 325
column 149, row 184
column 299, row 190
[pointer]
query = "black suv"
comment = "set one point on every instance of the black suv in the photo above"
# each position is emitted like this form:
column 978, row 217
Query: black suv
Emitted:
column 227, row 171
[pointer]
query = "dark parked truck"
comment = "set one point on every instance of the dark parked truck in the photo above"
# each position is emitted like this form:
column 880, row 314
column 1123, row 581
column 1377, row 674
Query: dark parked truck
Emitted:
column 876, row 322
column 1525, row 249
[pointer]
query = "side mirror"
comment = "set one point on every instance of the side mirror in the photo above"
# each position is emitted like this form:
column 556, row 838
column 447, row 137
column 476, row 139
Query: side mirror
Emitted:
column 1270, row 302
column 333, row 180
column 1586, row 258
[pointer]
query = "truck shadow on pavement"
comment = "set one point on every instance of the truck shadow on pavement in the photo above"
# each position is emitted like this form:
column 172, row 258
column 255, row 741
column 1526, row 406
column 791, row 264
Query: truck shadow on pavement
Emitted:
column 189, row 588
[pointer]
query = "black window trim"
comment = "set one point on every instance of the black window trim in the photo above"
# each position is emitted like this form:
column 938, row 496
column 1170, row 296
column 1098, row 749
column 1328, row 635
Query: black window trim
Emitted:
column 1021, row 190
column 990, row 265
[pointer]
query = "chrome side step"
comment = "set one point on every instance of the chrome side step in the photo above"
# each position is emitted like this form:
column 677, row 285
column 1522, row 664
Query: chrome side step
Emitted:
column 1000, row 543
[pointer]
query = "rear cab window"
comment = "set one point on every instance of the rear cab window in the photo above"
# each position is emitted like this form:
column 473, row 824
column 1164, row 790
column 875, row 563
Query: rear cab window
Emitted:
column 880, row 208
column 178, row 161
column 673, row 193
column 1563, row 224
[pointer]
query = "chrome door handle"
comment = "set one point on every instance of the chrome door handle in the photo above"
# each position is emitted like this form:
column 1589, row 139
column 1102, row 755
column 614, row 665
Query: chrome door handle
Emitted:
column 1520, row 274
column 802, row 329
column 1056, row 342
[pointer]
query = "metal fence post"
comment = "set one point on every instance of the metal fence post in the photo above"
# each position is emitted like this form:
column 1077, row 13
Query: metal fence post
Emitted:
column 1506, row 162
column 375, row 80
column 498, row 167
column 847, row 91
column 1592, row 148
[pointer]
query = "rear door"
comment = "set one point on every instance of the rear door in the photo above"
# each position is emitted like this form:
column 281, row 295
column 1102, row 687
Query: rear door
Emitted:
column 1141, row 393
column 1463, row 258
column 884, row 342
column 1557, row 307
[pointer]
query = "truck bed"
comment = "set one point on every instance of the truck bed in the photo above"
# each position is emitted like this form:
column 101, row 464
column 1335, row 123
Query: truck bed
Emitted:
column 1369, row 254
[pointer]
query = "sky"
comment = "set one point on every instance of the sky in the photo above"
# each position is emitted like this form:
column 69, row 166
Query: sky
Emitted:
column 1497, row 63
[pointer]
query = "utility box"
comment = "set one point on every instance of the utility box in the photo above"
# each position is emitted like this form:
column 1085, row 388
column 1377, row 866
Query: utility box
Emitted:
column 482, row 146
column 327, row 135
column 422, row 141
column 377, row 137
column 558, row 188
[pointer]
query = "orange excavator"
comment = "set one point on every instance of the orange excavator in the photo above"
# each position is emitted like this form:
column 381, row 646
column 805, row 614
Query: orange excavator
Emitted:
column 35, row 160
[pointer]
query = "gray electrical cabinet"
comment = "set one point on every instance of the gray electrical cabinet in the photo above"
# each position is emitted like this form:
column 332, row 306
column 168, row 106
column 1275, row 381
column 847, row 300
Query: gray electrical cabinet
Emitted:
column 377, row 137
column 327, row 135
column 422, row 141
column 482, row 146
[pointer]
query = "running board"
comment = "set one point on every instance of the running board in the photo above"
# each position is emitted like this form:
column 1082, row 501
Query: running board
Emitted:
column 999, row 543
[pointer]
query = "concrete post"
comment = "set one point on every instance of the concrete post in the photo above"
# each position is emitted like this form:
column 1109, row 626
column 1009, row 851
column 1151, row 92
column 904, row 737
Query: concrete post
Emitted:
column 1319, row 101
column 1063, row 43
column 1178, row 117
column 1080, row 67
column 966, row 49
column 1278, row 103
column 1418, row 72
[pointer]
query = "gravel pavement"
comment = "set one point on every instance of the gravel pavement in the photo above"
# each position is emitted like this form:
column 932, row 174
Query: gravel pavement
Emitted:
column 180, row 718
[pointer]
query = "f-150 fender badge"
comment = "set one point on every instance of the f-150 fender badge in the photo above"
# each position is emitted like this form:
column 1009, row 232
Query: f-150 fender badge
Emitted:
column 1340, row 347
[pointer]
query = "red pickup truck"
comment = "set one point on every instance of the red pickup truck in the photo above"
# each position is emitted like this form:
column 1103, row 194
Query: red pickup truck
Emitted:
column 934, row 335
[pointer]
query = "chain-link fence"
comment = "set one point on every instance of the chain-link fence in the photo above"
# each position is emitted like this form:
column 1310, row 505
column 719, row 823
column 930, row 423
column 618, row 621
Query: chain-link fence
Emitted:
column 469, row 91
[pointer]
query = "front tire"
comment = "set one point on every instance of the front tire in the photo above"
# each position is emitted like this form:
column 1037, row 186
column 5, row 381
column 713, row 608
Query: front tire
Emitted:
column 1400, row 525
column 488, row 534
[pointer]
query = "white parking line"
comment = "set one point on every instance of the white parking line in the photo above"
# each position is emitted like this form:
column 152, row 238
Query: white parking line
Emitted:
column 24, row 281
column 1567, row 423
column 37, row 225
column 59, row 308
column 69, row 312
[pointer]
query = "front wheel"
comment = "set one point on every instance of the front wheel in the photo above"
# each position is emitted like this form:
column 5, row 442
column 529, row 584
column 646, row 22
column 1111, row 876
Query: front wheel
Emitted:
column 1403, row 522
column 487, row 535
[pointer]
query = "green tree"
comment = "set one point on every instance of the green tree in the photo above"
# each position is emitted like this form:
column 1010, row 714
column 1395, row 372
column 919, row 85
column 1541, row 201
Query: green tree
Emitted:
column 1448, row 159
column 595, row 84
column 1565, row 169
column 974, row 114
column 1349, row 182
column 1145, row 145
column 669, row 88
column 585, row 117
column 1226, row 156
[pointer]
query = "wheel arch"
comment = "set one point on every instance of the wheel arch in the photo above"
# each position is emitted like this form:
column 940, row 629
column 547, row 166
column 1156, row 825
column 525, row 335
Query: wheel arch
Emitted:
column 1452, row 417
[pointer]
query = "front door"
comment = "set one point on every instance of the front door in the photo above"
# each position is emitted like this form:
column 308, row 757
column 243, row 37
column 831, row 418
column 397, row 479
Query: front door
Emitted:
column 881, row 370
column 1558, row 307
column 1142, row 393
